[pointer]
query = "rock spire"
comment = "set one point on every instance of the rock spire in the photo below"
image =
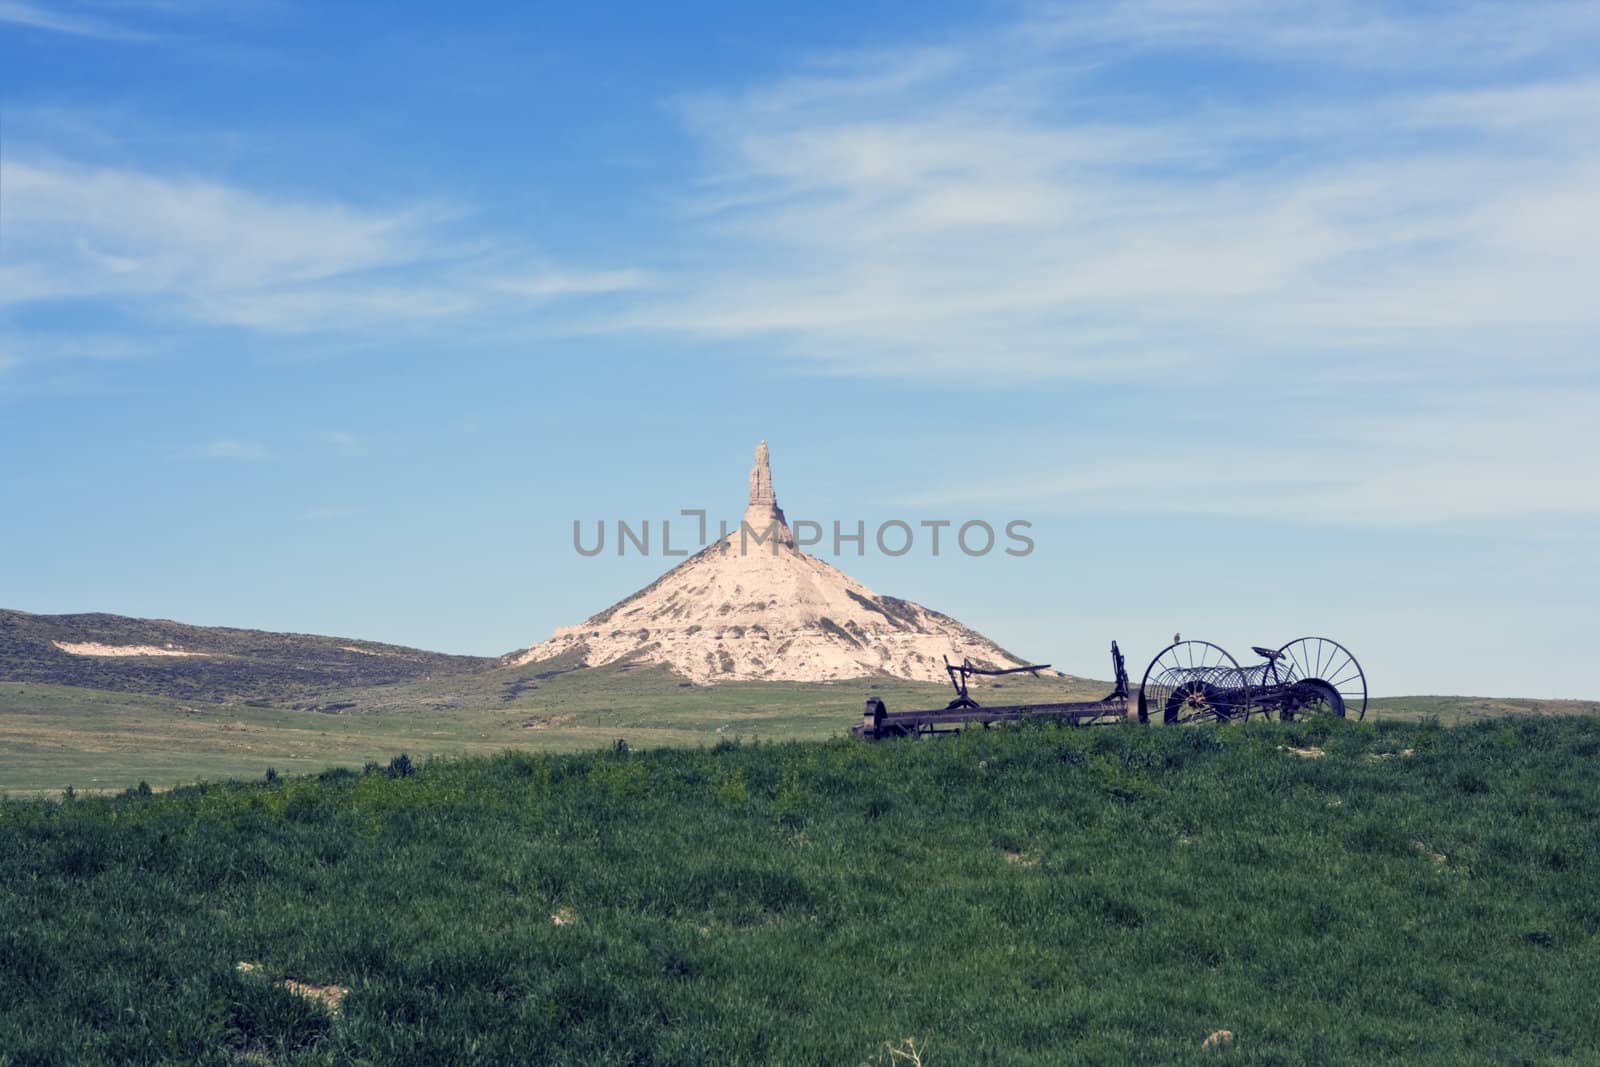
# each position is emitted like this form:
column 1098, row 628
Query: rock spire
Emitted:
column 763, row 511
column 768, row 611
column 761, row 491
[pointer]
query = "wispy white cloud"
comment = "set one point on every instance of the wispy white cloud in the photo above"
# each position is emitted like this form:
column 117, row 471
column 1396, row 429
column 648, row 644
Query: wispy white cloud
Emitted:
column 55, row 20
column 1413, row 207
column 554, row 283
column 1455, row 456
column 1019, row 205
column 968, row 221
column 342, row 442
column 229, row 448
column 91, row 232
column 1342, row 33
column 194, row 250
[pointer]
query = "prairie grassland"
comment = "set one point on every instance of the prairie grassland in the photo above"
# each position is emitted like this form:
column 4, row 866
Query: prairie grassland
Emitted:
column 1033, row 895
column 55, row 736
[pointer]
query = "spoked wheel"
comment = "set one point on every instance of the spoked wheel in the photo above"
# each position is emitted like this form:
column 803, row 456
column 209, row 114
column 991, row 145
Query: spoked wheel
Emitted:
column 1196, row 700
column 1311, row 700
column 1324, row 679
column 1194, row 681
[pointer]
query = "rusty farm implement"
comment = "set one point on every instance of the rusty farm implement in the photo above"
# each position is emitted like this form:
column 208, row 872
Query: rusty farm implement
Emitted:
column 1187, row 682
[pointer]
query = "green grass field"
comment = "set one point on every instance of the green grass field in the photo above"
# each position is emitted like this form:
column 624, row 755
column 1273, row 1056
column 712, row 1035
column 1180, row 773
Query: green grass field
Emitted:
column 55, row 736
column 300, row 703
column 1418, row 894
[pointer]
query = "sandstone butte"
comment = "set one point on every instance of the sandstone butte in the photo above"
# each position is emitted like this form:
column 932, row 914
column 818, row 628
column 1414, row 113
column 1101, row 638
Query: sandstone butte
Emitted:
column 739, row 610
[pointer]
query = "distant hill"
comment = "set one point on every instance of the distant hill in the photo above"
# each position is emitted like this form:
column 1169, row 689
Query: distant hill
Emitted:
column 203, row 663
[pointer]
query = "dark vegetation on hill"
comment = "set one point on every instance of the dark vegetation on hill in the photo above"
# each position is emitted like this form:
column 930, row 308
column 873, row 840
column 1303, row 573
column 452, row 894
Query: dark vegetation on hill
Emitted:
column 1414, row 893
column 239, row 665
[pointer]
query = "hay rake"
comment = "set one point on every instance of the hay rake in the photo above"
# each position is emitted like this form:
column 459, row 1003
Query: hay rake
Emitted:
column 1187, row 682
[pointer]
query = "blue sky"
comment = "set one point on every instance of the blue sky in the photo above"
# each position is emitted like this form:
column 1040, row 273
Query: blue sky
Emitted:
column 1271, row 319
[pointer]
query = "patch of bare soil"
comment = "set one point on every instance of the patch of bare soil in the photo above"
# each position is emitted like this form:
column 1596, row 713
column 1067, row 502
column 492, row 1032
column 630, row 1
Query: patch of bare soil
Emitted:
column 95, row 648
column 331, row 997
column 1427, row 850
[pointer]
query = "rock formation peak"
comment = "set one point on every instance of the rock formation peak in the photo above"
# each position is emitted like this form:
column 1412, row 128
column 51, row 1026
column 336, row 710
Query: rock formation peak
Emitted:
column 763, row 512
column 761, row 491
column 754, row 606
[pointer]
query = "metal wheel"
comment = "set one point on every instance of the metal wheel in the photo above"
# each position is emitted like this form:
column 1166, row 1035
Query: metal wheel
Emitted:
column 1324, row 679
column 1194, row 681
column 1196, row 700
column 1310, row 700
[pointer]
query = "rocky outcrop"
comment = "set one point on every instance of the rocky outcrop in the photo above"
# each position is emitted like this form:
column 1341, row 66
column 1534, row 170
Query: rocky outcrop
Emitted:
column 763, row 514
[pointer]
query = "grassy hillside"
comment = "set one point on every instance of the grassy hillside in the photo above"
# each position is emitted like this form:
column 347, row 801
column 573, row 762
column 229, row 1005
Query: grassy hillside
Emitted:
column 1452, row 710
column 55, row 736
column 1416, row 893
column 52, row 737
column 298, row 704
column 235, row 665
